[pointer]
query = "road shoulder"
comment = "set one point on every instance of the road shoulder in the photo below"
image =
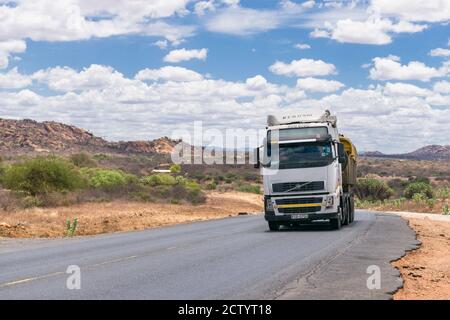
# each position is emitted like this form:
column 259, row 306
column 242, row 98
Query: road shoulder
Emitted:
column 346, row 275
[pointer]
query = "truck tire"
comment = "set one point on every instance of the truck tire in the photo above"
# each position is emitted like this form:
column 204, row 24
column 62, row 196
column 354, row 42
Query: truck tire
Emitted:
column 345, row 212
column 352, row 209
column 274, row 226
column 336, row 223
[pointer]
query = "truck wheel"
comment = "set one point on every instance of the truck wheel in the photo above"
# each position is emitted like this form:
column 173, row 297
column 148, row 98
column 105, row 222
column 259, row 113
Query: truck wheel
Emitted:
column 345, row 214
column 274, row 226
column 336, row 223
column 352, row 209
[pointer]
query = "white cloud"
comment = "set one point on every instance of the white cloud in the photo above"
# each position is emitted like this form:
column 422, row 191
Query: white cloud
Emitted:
column 318, row 33
column 184, row 55
column 302, row 46
column 303, row 68
column 106, row 102
column 390, row 68
column 162, row 44
column 68, row 20
column 442, row 87
column 256, row 83
column 8, row 47
column 371, row 31
column 169, row 73
column 440, row 52
column 203, row 6
column 308, row 4
column 405, row 89
column 95, row 77
column 14, row 80
column 413, row 10
column 319, row 85
column 243, row 21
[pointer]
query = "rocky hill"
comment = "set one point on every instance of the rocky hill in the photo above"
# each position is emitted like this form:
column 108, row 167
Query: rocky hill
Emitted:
column 29, row 136
column 431, row 152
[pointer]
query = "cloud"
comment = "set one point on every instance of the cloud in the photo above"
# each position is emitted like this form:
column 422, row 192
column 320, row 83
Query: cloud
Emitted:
column 185, row 55
column 317, row 33
column 308, row 4
column 8, row 47
column 319, row 85
column 70, row 20
column 14, row 80
column 413, row 10
column 162, row 44
column 302, row 46
column 243, row 21
column 95, row 77
column 303, row 68
column 203, row 6
column 440, row 52
column 103, row 100
column 373, row 31
column 442, row 87
column 168, row 73
column 405, row 89
column 390, row 68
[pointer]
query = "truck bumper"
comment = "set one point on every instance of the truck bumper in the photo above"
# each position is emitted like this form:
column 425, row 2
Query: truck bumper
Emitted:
column 309, row 217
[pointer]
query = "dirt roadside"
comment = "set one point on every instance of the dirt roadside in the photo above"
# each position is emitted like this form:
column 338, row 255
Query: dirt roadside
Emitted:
column 426, row 270
column 96, row 218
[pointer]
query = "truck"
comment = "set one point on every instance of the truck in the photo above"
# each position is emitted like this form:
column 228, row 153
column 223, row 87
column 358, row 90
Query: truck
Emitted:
column 308, row 169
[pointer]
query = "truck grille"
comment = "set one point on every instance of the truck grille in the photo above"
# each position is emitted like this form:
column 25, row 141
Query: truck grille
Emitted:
column 302, row 186
column 299, row 201
column 298, row 210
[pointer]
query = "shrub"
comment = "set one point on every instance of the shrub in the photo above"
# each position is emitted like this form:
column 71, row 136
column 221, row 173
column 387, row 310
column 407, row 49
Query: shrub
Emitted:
column 159, row 179
column 249, row 188
column 102, row 156
column 372, row 189
column 418, row 188
column 42, row 175
column 109, row 179
column 425, row 180
column 211, row 186
column 83, row 160
column 175, row 168
column 443, row 193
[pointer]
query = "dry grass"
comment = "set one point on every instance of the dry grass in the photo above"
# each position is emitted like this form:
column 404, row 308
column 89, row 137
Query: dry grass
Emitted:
column 426, row 271
column 405, row 205
column 96, row 218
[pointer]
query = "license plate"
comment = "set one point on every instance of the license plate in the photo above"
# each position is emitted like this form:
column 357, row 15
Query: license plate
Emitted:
column 299, row 216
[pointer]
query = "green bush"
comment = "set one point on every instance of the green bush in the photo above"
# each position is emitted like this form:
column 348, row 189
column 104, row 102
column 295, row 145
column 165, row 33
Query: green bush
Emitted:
column 159, row 179
column 83, row 160
column 249, row 188
column 372, row 189
column 418, row 187
column 211, row 186
column 175, row 168
column 102, row 156
column 42, row 175
column 109, row 178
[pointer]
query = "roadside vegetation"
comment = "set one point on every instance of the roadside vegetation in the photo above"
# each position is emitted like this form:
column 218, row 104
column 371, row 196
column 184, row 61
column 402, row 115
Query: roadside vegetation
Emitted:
column 417, row 194
column 51, row 181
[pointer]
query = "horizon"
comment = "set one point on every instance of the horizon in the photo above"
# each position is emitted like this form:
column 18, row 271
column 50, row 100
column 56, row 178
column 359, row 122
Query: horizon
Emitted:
column 141, row 72
column 360, row 152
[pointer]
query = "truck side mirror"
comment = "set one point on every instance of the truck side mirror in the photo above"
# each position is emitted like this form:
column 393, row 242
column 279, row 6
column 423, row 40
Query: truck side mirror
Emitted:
column 257, row 164
column 342, row 155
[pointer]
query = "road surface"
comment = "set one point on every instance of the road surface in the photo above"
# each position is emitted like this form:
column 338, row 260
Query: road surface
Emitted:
column 233, row 258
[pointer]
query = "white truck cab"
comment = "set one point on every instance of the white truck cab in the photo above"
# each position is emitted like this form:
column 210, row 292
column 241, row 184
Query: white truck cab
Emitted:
column 308, row 170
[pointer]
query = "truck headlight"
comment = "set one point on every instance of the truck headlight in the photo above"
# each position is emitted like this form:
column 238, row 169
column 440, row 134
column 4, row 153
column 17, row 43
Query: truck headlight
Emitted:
column 328, row 201
column 269, row 205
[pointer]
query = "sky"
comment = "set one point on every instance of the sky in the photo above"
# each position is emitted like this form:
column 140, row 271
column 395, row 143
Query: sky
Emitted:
column 141, row 69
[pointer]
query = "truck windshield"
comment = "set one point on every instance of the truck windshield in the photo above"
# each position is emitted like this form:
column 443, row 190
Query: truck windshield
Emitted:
column 301, row 155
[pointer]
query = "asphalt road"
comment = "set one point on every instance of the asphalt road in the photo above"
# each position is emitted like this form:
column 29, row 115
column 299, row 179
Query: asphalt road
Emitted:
column 233, row 258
